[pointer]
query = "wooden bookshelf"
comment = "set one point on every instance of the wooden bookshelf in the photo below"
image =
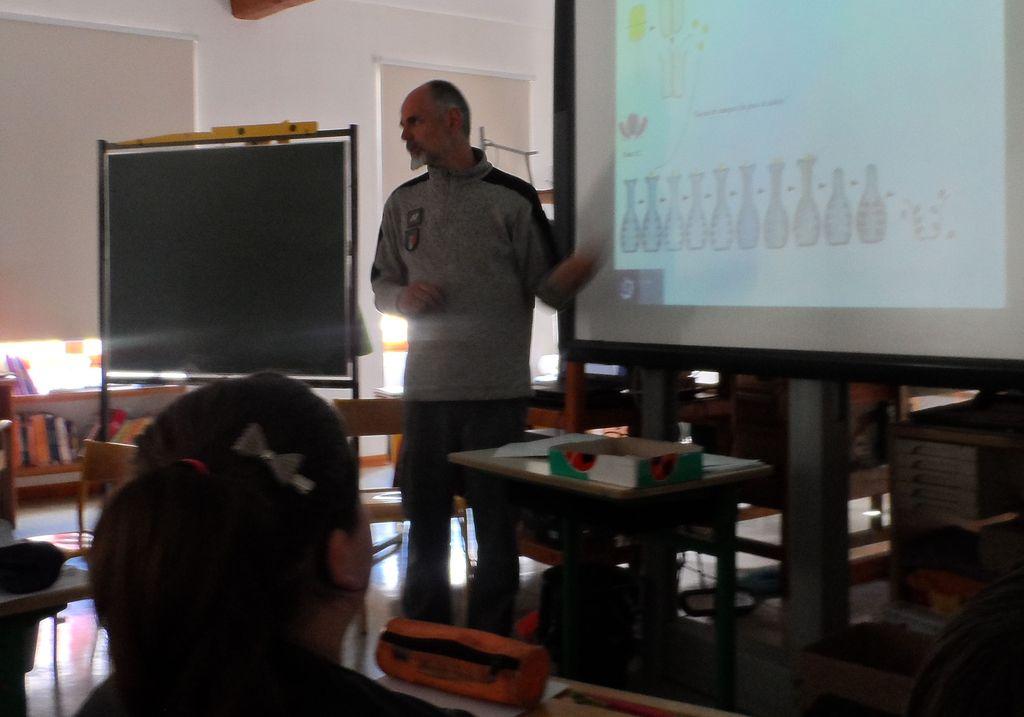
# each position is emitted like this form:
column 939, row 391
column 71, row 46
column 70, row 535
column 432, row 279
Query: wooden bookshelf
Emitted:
column 53, row 469
column 82, row 407
column 8, row 495
column 114, row 392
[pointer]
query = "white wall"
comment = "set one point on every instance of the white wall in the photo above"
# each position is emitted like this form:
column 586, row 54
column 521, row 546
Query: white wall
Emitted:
column 318, row 62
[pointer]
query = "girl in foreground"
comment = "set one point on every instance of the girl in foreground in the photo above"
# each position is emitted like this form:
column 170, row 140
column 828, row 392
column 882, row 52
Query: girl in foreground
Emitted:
column 227, row 572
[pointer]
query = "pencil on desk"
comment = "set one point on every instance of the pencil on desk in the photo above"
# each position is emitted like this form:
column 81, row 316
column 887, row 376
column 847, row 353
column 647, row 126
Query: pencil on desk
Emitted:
column 616, row 704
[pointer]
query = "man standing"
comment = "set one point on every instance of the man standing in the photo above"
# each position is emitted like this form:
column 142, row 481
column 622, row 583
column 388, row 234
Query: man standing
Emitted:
column 462, row 252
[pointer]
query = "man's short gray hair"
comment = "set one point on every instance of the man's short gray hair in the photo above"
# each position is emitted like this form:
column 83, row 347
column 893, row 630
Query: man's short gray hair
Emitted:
column 447, row 95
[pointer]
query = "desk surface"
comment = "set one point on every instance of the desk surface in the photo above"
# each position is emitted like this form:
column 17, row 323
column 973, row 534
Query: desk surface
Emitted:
column 563, row 698
column 71, row 585
column 561, row 706
column 536, row 471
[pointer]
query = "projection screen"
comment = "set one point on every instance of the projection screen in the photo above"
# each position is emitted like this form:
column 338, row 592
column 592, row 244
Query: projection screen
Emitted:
column 827, row 188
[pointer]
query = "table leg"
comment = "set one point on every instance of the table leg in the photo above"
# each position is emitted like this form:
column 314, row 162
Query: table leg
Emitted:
column 570, row 597
column 725, row 599
column 659, row 600
column 17, row 643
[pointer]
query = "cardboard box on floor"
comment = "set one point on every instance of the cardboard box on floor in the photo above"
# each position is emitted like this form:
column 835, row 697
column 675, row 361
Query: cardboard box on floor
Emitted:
column 872, row 664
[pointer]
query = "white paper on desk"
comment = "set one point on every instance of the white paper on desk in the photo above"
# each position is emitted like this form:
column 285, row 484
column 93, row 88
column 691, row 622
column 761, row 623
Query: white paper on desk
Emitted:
column 717, row 464
column 479, row 708
column 532, row 449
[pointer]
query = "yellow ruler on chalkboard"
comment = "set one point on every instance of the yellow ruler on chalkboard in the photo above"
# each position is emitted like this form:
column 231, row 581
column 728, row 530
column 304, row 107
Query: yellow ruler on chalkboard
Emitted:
column 255, row 132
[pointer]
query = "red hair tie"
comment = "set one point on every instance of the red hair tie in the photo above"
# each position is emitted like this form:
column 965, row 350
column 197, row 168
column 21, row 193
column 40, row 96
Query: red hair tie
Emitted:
column 197, row 465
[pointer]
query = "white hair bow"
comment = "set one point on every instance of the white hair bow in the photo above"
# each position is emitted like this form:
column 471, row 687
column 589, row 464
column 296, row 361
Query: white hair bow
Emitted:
column 285, row 467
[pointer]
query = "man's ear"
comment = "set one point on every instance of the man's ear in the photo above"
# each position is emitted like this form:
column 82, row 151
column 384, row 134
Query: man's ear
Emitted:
column 455, row 119
column 347, row 560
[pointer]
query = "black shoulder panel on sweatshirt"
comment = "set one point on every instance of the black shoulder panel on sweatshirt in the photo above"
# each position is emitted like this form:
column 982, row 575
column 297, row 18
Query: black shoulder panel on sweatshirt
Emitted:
column 527, row 192
column 415, row 180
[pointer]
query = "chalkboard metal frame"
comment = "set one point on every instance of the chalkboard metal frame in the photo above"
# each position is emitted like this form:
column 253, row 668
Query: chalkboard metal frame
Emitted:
column 349, row 380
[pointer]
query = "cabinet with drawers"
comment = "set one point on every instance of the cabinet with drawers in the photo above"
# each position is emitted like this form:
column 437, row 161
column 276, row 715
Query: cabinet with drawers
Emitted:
column 949, row 486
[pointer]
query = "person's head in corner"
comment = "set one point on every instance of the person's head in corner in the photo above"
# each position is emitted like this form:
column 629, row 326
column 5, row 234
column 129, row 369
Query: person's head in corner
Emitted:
column 225, row 547
column 435, row 126
column 976, row 668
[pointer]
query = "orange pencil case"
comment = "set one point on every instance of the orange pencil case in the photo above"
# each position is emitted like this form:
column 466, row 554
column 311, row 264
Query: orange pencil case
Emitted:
column 463, row 661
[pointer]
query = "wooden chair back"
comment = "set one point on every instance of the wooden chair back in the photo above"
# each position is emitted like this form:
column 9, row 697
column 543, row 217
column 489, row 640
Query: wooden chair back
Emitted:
column 383, row 417
column 103, row 463
column 370, row 416
column 374, row 417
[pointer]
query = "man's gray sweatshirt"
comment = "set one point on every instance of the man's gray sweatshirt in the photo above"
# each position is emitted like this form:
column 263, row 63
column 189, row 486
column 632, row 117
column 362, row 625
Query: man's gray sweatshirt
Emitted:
column 482, row 237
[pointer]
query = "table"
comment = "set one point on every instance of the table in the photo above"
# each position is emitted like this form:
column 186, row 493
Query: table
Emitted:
column 558, row 706
column 19, row 622
column 652, row 512
column 562, row 698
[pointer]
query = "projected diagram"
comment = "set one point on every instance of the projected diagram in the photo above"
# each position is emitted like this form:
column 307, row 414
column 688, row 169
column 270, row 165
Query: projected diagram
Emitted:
column 667, row 228
column 818, row 171
column 670, row 21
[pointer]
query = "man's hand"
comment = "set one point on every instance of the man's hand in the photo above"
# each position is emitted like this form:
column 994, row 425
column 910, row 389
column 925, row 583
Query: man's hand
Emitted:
column 572, row 273
column 419, row 298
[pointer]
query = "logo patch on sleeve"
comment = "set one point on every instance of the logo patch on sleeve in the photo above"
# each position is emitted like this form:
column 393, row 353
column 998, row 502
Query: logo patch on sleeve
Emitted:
column 412, row 239
column 414, row 217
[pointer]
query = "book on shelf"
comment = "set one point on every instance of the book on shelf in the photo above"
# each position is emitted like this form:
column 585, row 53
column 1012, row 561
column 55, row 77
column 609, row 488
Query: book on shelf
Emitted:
column 39, row 450
column 115, row 419
column 131, row 429
column 51, row 437
column 65, row 431
column 23, row 458
column 45, row 440
column 23, row 384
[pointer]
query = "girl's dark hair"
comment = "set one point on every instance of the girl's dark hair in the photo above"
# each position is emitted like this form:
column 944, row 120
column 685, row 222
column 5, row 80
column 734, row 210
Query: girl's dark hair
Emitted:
column 198, row 573
column 976, row 668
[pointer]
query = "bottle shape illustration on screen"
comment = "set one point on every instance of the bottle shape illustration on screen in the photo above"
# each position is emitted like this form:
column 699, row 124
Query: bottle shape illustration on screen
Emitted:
column 871, row 216
column 652, row 230
column 806, row 221
column 629, row 232
column 722, row 230
column 838, row 217
column 696, row 230
column 673, row 73
column 748, row 222
column 673, row 227
column 776, row 221
column 671, row 17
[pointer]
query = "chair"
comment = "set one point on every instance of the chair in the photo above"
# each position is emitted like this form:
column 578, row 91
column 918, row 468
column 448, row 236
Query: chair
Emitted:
column 383, row 417
column 376, row 417
column 7, row 488
column 103, row 464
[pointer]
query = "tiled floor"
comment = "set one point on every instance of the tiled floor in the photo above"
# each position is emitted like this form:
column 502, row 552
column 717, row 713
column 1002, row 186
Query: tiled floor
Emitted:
column 81, row 653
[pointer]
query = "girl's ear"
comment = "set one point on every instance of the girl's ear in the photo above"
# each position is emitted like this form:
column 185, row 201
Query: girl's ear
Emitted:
column 348, row 558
